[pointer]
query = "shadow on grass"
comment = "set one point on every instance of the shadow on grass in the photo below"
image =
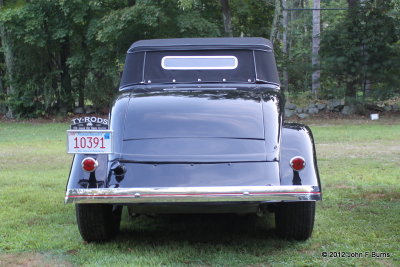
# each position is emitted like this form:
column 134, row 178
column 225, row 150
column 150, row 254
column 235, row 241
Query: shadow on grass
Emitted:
column 199, row 228
column 195, row 240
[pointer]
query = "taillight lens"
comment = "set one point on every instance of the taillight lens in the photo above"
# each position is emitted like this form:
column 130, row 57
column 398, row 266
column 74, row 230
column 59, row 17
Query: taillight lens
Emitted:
column 89, row 164
column 297, row 163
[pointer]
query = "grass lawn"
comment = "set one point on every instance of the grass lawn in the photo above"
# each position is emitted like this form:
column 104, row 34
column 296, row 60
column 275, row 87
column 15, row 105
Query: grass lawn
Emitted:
column 359, row 165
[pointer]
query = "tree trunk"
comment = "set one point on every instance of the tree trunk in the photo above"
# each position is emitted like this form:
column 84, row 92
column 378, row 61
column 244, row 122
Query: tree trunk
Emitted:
column 3, row 93
column 285, row 45
column 351, row 89
column 366, row 83
column 274, row 27
column 226, row 13
column 351, row 93
column 316, row 31
column 6, row 43
column 83, row 73
column 81, row 91
column 352, row 3
column 66, row 100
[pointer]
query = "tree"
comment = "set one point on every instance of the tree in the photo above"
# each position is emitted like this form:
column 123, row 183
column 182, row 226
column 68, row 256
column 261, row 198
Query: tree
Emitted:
column 274, row 27
column 316, row 30
column 58, row 55
column 362, row 46
column 7, row 46
column 226, row 14
column 285, row 44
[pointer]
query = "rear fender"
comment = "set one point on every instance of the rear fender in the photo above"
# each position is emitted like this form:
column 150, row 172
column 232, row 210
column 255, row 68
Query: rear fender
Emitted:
column 78, row 178
column 297, row 140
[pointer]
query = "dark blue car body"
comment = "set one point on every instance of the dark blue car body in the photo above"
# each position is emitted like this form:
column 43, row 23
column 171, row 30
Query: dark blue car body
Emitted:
column 200, row 140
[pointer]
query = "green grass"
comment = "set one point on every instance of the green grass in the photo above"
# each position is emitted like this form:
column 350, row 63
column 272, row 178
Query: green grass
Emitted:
column 360, row 170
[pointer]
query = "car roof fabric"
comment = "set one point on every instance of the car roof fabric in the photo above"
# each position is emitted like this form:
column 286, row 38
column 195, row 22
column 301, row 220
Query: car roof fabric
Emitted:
column 257, row 43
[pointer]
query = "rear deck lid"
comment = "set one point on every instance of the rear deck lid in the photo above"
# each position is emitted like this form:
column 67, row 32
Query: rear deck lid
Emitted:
column 201, row 126
column 228, row 114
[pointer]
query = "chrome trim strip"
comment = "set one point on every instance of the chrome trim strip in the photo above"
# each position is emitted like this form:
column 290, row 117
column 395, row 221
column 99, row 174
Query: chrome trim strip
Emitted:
column 193, row 194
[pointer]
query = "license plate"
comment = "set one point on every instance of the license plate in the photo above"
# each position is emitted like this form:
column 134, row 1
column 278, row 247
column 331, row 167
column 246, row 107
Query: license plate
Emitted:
column 89, row 141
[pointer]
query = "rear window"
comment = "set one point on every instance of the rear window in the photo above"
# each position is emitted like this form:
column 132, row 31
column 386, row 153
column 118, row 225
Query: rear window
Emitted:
column 199, row 62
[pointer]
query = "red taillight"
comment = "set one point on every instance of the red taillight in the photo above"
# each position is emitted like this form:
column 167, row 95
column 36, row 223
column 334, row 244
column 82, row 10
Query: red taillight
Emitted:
column 89, row 164
column 297, row 163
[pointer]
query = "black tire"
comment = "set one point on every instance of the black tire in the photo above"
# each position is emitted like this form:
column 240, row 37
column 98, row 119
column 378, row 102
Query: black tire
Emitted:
column 295, row 220
column 98, row 222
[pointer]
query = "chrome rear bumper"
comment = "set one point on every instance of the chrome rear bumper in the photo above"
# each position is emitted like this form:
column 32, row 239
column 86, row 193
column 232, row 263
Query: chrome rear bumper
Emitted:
column 193, row 194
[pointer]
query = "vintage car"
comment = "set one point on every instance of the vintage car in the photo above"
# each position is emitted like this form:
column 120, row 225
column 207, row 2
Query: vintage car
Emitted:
column 196, row 127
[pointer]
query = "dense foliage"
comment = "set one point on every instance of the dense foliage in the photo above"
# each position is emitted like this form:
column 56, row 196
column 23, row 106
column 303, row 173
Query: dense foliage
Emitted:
column 57, row 55
column 362, row 51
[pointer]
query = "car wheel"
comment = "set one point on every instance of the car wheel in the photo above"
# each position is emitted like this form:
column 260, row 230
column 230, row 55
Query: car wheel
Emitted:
column 295, row 220
column 98, row 222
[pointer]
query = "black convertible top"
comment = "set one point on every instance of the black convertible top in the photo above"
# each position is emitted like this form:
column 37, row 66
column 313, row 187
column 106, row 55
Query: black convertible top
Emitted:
column 143, row 64
column 255, row 43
